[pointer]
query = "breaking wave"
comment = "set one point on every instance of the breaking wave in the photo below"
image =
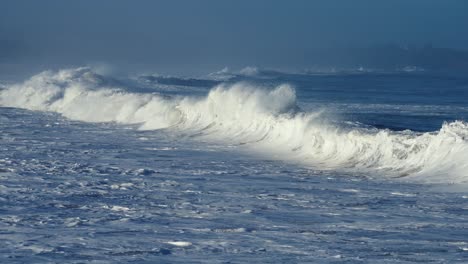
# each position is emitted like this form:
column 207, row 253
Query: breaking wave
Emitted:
column 266, row 121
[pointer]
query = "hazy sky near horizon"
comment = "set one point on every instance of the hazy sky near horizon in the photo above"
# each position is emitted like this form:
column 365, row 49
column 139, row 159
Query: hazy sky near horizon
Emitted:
column 176, row 34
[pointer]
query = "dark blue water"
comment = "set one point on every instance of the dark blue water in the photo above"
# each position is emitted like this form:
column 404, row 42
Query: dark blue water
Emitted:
column 419, row 102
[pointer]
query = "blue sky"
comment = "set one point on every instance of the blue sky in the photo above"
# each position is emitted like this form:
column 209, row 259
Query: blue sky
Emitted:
column 188, row 35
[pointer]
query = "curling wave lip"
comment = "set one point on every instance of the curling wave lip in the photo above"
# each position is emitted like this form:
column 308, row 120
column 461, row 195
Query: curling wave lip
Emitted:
column 261, row 120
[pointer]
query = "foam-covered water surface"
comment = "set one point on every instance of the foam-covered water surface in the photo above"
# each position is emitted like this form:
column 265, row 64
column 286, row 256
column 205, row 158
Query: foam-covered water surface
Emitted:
column 255, row 170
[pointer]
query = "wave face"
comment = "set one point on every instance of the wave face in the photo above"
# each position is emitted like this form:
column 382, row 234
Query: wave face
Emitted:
column 266, row 121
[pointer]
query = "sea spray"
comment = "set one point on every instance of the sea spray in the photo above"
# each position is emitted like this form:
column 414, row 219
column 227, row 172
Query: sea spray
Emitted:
column 264, row 121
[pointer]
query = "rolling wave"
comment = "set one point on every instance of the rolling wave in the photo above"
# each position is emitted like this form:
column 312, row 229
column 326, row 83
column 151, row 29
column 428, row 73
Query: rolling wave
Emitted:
column 266, row 121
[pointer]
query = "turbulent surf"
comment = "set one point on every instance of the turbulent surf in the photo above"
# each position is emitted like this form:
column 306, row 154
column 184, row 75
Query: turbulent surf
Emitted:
column 258, row 118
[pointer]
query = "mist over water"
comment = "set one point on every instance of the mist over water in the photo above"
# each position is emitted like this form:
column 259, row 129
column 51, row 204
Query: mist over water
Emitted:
column 183, row 38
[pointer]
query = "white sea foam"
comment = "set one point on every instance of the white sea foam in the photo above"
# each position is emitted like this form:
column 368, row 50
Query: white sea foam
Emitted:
column 266, row 121
column 179, row 243
column 249, row 71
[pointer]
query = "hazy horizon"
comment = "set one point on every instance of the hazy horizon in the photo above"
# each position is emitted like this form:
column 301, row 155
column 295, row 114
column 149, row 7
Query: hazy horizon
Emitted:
column 203, row 36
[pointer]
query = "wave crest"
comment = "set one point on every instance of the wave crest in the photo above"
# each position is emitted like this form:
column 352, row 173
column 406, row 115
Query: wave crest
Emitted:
column 266, row 121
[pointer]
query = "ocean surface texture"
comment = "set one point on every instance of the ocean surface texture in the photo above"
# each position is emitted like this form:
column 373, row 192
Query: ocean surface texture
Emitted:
column 248, row 167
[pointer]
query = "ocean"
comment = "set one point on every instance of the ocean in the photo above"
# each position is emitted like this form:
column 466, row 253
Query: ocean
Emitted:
column 254, row 166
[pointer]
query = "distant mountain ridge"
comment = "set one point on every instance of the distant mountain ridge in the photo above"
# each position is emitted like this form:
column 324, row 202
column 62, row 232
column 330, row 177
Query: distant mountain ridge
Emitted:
column 393, row 57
